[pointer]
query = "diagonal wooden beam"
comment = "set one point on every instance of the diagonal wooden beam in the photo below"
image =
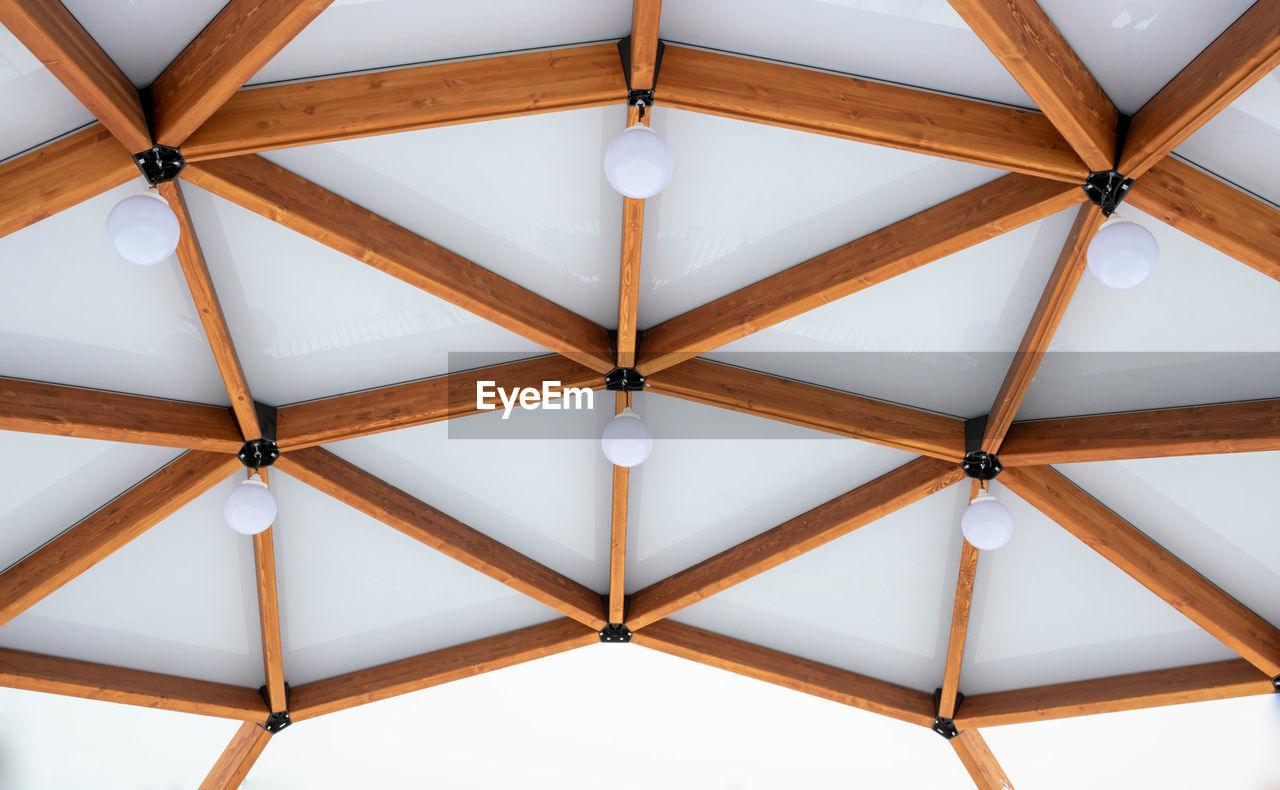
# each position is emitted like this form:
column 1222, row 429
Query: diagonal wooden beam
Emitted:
column 618, row 533
column 1256, row 640
column 1025, row 40
column 811, row 406
column 959, row 623
column 109, row 528
column 645, row 19
column 54, row 36
column 264, row 567
column 1044, row 322
column 364, row 492
column 793, row 672
column 1244, row 53
column 974, row 217
column 277, row 194
column 237, row 759
column 72, row 678
column 436, row 668
column 823, row 524
column 441, row 94
column 227, row 53
column 629, row 268
column 868, row 112
column 978, row 760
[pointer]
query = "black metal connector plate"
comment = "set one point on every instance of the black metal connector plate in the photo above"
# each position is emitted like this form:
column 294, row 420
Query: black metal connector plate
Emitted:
column 945, row 727
column 624, row 50
column 615, row 632
column 1107, row 189
column 624, row 380
column 635, row 97
column 277, row 721
column 258, row 453
column 160, row 163
column 1275, row 682
column 981, row 466
column 266, row 420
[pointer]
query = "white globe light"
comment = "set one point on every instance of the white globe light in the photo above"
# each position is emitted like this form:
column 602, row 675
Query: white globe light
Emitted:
column 986, row 523
column 637, row 162
column 143, row 229
column 626, row 439
column 251, row 507
column 1122, row 254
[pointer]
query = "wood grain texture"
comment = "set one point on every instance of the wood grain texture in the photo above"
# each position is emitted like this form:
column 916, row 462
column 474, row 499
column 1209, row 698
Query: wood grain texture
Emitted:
column 869, row 112
column 205, row 298
column 71, row 678
column 645, row 20
column 233, row 47
column 52, row 34
column 264, row 571
column 983, row 768
column 109, row 528
column 629, row 266
column 1244, row 53
column 1044, row 322
column 443, row 94
column 618, row 533
column 237, row 759
column 793, row 672
column 811, row 406
column 440, row 666
column 826, row 522
column 1027, row 43
column 364, row 492
column 37, row 407
column 1256, row 640
column 289, row 199
column 57, row 176
column 976, row 216
column 959, row 622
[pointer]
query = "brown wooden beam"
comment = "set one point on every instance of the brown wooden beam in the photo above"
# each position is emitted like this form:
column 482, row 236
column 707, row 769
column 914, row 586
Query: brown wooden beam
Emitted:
column 976, row 216
column 1256, row 640
column 264, row 567
column 1044, row 322
column 823, row 524
column 959, row 623
column 237, row 759
column 1244, row 53
column 629, row 268
column 71, row 678
column 645, row 17
column 61, row 43
column 436, row 668
column 227, row 53
column 618, row 532
column 442, row 94
column 793, row 672
column 364, row 492
column 811, row 406
column 978, row 760
column 277, row 194
column 109, row 528
column 869, row 112
column 1176, row 686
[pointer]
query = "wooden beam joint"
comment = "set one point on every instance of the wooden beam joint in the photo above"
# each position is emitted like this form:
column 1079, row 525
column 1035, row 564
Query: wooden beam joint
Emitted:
column 615, row 633
column 945, row 725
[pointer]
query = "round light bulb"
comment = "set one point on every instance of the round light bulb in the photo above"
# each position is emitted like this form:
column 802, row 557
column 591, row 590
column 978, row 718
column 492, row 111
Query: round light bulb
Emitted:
column 143, row 229
column 1122, row 254
column 637, row 162
column 626, row 440
column 251, row 507
column 986, row 523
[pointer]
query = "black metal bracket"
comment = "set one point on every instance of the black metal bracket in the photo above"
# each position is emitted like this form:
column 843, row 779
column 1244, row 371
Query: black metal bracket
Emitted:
column 615, row 632
column 624, row 50
column 257, row 453
column 267, row 419
column 1107, row 189
column 978, row 464
column 1275, row 682
column 159, row 163
column 941, row 724
column 276, row 722
column 624, row 380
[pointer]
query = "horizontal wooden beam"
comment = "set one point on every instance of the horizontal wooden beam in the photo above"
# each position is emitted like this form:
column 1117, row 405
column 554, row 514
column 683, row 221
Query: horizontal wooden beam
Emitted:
column 868, row 112
column 380, row 500
column 1218, row 680
column 71, row 678
column 300, row 205
column 961, row 222
column 978, row 760
column 826, row 522
column 237, row 759
column 436, row 668
column 400, row 100
column 793, row 672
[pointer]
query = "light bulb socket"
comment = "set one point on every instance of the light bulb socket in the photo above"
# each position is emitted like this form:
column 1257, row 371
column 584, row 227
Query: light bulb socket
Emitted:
column 159, row 164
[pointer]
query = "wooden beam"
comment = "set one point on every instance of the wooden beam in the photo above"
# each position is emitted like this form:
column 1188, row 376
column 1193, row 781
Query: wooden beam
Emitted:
column 237, row 759
column 974, row 217
column 383, row 102
column 826, row 522
column 1244, row 53
column 1245, row 427
column 436, row 668
column 71, row 678
column 264, row 567
column 959, row 622
column 1025, row 40
column 59, row 175
column 618, row 532
column 109, row 528
column 227, row 53
column 277, row 194
column 793, row 672
column 1256, row 640
column 645, row 17
column 1044, row 322
column 37, row 407
column 868, row 112
column 629, row 268
column 1213, row 211
column 811, row 406
column 364, row 492
column 1176, row 686
column 200, row 284
column 978, row 760
column 61, row 43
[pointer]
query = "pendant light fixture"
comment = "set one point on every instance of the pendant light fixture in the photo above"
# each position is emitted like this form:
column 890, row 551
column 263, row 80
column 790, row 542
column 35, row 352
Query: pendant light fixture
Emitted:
column 638, row 163
column 626, row 440
column 986, row 523
column 1122, row 254
column 142, row 229
column 251, row 507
